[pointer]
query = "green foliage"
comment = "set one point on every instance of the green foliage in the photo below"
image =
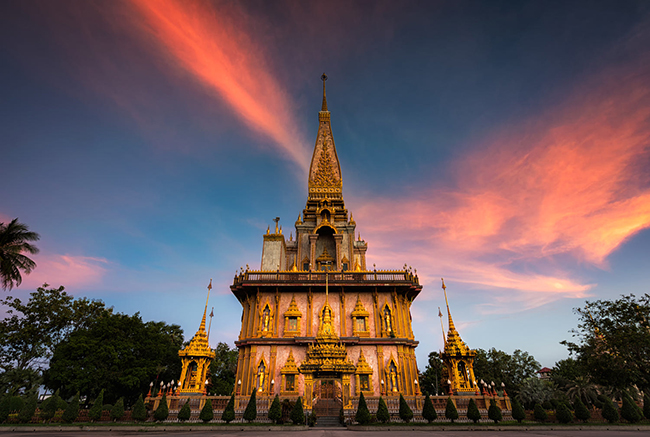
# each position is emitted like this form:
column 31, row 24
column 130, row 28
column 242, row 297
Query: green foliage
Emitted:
column 297, row 414
column 547, row 405
column 581, row 411
column 363, row 414
column 540, row 413
column 5, row 403
column 16, row 403
column 512, row 370
column 610, row 413
column 32, row 330
column 72, row 410
column 518, row 412
column 621, row 327
column 95, row 357
column 382, row 411
column 646, row 406
column 275, row 410
column 494, row 412
column 222, row 370
column 451, row 412
column 185, row 412
column 250, row 413
column 15, row 238
column 405, row 412
column 139, row 412
column 473, row 413
column 630, row 411
column 117, row 412
column 206, row 413
column 535, row 391
column 162, row 412
column 229, row 413
column 428, row 410
column 311, row 420
column 563, row 413
column 430, row 378
column 95, row 412
column 27, row 412
column 49, row 407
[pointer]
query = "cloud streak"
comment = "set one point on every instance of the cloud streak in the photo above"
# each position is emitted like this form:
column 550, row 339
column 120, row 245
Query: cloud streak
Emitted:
column 72, row 271
column 572, row 182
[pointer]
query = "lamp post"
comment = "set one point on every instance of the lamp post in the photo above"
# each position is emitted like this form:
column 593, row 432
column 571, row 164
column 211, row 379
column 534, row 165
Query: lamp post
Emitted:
column 417, row 391
column 162, row 387
column 239, row 387
column 382, row 387
column 150, row 389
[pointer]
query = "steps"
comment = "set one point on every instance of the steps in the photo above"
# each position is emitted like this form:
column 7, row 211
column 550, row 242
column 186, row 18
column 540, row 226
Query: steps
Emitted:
column 328, row 421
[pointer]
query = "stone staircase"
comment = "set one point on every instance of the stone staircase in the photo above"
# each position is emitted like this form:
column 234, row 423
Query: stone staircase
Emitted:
column 328, row 421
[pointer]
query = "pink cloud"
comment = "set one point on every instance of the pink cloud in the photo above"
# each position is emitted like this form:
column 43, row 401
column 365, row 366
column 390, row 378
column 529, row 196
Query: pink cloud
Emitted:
column 71, row 271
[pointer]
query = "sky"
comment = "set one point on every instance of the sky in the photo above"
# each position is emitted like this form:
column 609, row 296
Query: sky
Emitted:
column 504, row 146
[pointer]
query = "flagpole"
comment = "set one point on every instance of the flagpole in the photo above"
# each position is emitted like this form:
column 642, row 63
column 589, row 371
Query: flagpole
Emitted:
column 210, row 325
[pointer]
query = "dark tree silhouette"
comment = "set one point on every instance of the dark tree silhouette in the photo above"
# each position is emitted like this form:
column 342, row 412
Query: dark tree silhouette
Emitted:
column 14, row 243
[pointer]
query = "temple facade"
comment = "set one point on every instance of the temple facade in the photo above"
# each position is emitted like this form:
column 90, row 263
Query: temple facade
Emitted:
column 317, row 322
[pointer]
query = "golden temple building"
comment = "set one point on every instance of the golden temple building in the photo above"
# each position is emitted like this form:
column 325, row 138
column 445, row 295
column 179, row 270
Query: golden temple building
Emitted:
column 317, row 322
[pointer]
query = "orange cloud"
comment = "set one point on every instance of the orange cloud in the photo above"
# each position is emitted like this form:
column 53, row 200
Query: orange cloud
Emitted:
column 569, row 183
column 209, row 44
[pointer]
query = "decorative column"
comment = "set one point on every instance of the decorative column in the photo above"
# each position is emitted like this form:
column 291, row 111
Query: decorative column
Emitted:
column 345, row 389
column 308, row 397
column 312, row 250
column 338, row 238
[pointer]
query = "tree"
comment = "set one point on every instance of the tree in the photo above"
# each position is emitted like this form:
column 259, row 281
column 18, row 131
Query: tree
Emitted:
column 613, row 342
column 518, row 412
column 609, row 413
column 185, row 412
column 430, row 378
column 222, row 370
column 473, row 413
column 118, row 352
column 646, row 406
column 31, row 331
column 15, row 238
column 50, row 406
column 229, row 413
column 363, row 414
column 275, row 411
column 297, row 415
column 534, row 390
column 117, row 412
column 27, row 412
column 451, row 412
column 5, row 404
column 207, row 414
column 512, row 370
column 581, row 388
column 139, row 412
column 581, row 411
column 428, row 410
column 250, row 413
column 405, row 412
column 494, row 412
column 95, row 412
column 630, row 411
column 540, row 413
column 563, row 413
column 382, row 411
column 162, row 412
column 72, row 410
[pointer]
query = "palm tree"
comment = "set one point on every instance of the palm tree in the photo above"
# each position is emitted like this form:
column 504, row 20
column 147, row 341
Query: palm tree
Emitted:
column 14, row 238
column 581, row 387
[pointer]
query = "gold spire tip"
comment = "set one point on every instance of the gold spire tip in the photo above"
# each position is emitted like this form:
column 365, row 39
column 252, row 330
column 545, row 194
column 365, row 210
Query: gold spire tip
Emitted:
column 324, row 107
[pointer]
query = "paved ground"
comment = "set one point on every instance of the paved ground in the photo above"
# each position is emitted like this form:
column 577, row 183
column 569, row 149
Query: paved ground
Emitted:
column 334, row 432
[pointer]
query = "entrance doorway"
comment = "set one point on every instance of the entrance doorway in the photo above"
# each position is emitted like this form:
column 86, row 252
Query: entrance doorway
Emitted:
column 328, row 395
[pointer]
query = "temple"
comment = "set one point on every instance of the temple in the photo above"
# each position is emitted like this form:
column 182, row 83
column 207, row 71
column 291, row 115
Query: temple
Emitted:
column 316, row 321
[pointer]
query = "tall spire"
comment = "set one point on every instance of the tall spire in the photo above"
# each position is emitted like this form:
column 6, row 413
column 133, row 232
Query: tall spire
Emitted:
column 451, row 322
column 324, row 107
column 205, row 311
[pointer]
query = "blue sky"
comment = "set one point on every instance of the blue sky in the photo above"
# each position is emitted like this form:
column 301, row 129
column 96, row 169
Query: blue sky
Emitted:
column 500, row 145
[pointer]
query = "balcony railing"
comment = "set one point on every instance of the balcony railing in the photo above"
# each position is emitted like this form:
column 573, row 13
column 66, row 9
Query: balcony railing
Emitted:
column 318, row 277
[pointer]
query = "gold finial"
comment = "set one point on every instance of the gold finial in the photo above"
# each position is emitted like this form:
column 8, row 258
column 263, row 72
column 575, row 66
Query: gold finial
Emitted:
column 268, row 230
column 443, row 286
column 352, row 222
column 324, row 107
column 290, row 236
column 299, row 221
column 444, row 340
column 276, row 220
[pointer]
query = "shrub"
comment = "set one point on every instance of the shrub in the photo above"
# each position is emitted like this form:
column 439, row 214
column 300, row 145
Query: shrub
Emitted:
column 27, row 412
column 95, row 412
column 72, row 410
column 451, row 412
column 229, row 413
column 162, row 412
column 48, row 407
column 206, row 413
column 540, row 413
column 547, row 405
column 139, row 412
column 382, row 411
column 581, row 411
column 16, row 403
column 275, row 410
column 185, row 413
column 405, row 412
column 363, row 415
column 117, row 412
column 563, row 413
column 250, row 413
column 297, row 414
column 646, row 406
column 630, row 411
column 518, row 412
column 610, row 413
column 311, row 420
column 4, row 407
column 428, row 410
column 494, row 412
column 473, row 413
